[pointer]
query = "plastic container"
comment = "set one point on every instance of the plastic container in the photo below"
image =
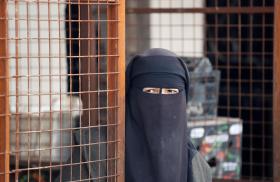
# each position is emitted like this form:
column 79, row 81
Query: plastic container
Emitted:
column 203, row 95
column 204, row 89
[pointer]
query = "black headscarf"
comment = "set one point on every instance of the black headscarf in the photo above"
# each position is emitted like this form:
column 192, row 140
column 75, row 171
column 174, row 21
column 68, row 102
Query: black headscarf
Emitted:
column 156, row 124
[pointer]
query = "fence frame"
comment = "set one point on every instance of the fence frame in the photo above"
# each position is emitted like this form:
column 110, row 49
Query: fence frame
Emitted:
column 4, row 99
column 117, row 48
column 114, row 12
column 276, row 94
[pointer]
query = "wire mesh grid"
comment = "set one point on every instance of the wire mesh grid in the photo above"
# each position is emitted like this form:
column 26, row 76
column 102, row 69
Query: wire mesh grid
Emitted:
column 237, row 37
column 62, row 112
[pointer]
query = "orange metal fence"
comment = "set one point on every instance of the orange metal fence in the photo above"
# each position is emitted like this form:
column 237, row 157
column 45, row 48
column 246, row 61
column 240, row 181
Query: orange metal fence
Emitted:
column 62, row 90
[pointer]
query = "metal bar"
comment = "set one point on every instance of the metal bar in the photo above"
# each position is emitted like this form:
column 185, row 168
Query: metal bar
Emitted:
column 88, row 66
column 39, row 72
column 121, row 87
column 112, row 48
column 208, row 10
column 276, row 94
column 60, row 89
column 50, row 87
column 71, row 46
column 92, row 1
column 17, row 32
column 28, row 87
column 4, row 101
column 251, row 122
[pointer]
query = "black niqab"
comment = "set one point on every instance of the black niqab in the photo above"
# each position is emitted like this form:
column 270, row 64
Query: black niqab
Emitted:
column 156, row 124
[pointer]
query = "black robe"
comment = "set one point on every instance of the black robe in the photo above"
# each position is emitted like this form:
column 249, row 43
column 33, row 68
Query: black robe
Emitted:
column 156, row 124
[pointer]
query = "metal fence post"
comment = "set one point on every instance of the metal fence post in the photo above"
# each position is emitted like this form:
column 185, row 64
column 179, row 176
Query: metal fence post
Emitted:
column 276, row 94
column 4, row 99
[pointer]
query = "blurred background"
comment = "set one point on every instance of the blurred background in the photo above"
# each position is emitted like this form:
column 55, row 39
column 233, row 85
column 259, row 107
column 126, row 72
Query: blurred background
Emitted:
column 228, row 45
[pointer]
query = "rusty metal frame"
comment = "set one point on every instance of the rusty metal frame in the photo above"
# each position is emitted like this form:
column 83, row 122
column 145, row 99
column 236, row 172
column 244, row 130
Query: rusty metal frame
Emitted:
column 201, row 10
column 112, row 49
column 87, row 65
column 276, row 94
column 115, row 63
column 4, row 99
column 116, row 47
column 121, row 97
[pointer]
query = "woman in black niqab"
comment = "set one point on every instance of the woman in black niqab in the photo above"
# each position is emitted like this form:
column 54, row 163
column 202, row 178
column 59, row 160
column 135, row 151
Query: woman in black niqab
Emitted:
column 156, row 124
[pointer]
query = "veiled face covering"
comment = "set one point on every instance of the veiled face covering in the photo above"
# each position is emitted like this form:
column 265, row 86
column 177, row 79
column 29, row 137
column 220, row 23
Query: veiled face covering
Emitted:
column 156, row 123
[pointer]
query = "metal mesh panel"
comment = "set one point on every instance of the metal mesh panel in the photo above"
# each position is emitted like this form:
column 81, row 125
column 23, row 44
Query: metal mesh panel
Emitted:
column 237, row 37
column 64, row 108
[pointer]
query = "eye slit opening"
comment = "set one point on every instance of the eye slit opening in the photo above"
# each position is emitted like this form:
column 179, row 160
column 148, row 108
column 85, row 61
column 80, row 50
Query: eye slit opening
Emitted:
column 151, row 90
column 169, row 91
